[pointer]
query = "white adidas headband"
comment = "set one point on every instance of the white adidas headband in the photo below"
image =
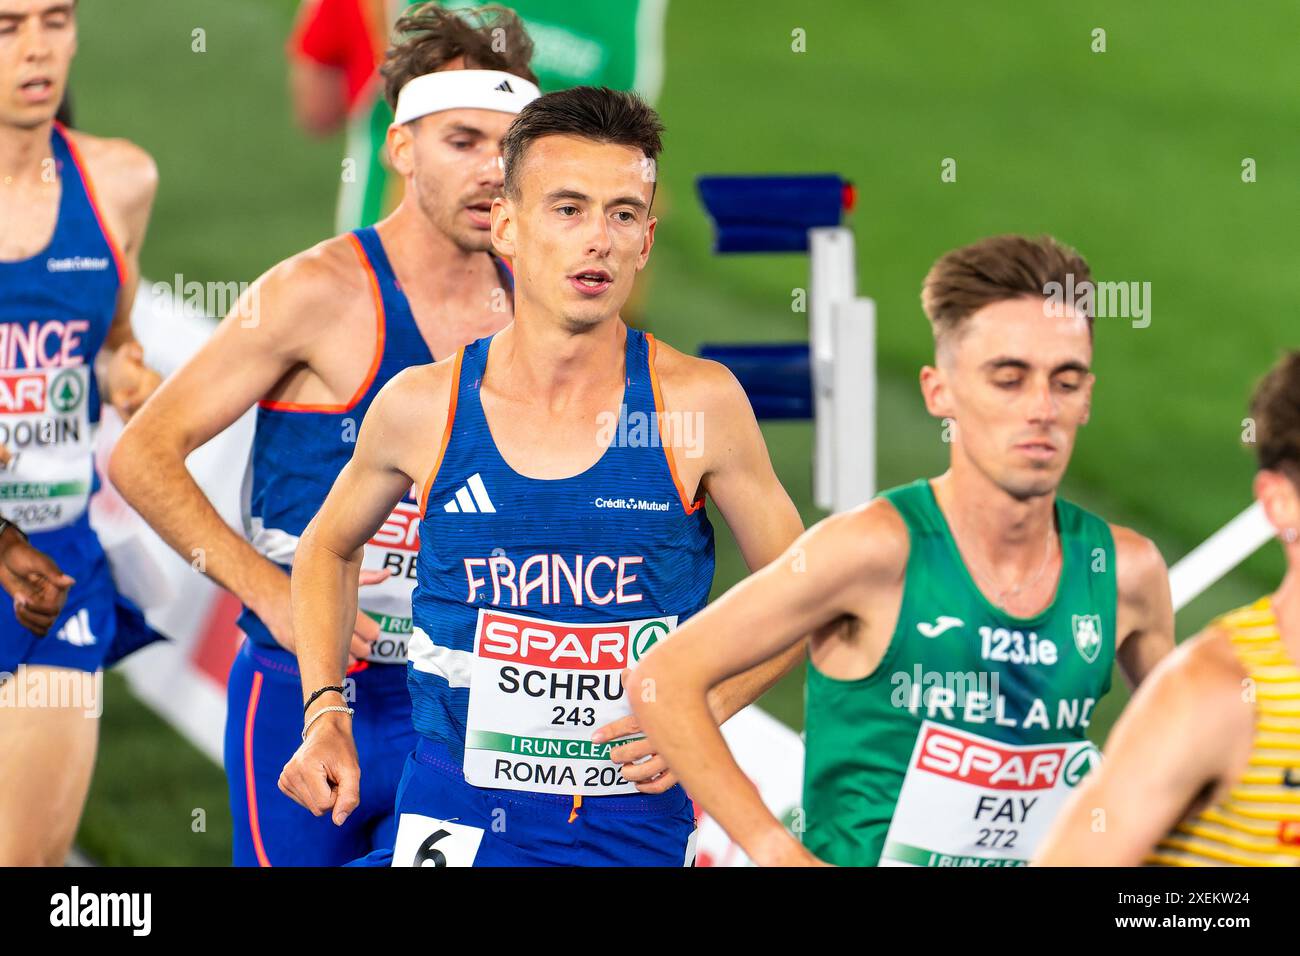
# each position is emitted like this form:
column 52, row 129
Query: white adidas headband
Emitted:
column 464, row 89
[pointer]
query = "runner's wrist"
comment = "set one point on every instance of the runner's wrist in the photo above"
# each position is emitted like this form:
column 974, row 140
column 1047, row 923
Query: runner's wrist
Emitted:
column 10, row 535
column 336, row 715
column 774, row 846
column 330, row 698
column 266, row 591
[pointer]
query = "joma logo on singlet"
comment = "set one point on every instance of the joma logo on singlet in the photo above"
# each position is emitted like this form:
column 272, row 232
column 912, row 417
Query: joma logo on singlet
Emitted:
column 985, row 765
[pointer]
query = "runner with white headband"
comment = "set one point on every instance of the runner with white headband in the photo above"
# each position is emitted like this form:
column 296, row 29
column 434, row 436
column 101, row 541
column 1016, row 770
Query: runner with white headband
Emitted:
column 310, row 345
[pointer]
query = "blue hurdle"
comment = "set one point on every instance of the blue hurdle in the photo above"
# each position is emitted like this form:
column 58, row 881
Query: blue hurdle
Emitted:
column 832, row 377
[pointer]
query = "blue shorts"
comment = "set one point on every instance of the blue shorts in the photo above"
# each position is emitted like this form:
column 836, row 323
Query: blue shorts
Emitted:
column 444, row 821
column 264, row 729
column 97, row 627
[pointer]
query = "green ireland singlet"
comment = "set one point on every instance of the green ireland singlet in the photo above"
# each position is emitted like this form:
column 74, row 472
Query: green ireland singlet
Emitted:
column 961, row 746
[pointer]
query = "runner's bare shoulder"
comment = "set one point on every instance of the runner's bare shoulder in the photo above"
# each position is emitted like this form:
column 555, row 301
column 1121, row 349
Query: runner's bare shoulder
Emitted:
column 873, row 539
column 1139, row 566
column 123, row 175
column 412, row 414
column 690, row 383
column 305, row 297
column 1204, row 679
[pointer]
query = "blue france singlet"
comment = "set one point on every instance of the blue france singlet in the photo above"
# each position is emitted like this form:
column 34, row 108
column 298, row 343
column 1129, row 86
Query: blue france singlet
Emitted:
column 299, row 450
column 56, row 309
column 533, row 595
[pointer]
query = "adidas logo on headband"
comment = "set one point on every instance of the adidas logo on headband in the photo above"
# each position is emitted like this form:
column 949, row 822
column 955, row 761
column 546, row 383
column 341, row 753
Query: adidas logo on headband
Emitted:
column 464, row 89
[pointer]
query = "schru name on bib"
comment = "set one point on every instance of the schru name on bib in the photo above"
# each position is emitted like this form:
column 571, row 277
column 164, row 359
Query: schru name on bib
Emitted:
column 539, row 689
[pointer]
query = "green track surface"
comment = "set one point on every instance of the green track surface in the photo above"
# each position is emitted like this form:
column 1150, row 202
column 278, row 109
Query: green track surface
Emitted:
column 1133, row 155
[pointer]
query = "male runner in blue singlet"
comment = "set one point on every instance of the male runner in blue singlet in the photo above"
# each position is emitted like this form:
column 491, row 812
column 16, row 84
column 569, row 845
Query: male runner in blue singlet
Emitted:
column 311, row 345
column 563, row 466
column 73, row 212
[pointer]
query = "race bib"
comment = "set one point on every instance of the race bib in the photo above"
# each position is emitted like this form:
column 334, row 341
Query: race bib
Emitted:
column 394, row 548
column 538, row 690
column 971, row 801
column 425, row 841
column 45, row 426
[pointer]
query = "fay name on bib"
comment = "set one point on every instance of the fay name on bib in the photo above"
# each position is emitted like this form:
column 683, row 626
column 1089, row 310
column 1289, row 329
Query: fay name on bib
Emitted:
column 968, row 800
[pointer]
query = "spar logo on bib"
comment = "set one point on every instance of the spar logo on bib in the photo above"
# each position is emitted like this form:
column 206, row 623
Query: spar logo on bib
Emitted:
column 400, row 530
column 1080, row 765
column 646, row 637
column 534, row 642
column 985, row 763
column 22, row 393
column 66, row 392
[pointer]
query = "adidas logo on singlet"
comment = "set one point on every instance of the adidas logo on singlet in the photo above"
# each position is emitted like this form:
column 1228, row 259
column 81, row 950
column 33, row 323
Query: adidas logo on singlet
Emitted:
column 471, row 498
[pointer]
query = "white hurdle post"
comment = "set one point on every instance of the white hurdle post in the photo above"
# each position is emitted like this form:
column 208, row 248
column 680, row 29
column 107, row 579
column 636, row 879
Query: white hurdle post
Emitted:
column 832, row 271
column 1218, row 554
column 853, row 402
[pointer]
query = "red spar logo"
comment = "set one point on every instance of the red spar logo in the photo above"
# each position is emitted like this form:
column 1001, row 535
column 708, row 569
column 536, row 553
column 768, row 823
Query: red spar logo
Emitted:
column 524, row 640
column 22, row 394
column 400, row 530
column 984, row 763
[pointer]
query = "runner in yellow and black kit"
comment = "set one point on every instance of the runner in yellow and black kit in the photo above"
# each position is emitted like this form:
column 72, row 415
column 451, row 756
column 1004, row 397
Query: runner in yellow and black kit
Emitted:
column 1203, row 769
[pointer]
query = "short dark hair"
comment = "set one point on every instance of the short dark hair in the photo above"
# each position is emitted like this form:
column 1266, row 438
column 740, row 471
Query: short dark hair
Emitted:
column 1275, row 408
column 996, row 269
column 591, row 112
column 428, row 37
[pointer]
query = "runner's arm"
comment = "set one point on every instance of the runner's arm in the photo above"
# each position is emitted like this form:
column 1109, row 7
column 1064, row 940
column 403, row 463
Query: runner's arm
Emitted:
column 127, row 179
column 324, row 774
column 263, row 337
column 327, row 564
column 758, row 511
column 1171, row 742
column 318, row 54
column 818, row 580
column 1145, row 612
column 740, row 479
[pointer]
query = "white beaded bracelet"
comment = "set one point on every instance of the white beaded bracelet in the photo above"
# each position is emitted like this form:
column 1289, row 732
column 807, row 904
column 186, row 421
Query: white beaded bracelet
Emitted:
column 325, row 710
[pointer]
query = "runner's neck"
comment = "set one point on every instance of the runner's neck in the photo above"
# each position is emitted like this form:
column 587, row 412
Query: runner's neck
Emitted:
column 424, row 257
column 23, row 153
column 551, row 366
column 1005, row 535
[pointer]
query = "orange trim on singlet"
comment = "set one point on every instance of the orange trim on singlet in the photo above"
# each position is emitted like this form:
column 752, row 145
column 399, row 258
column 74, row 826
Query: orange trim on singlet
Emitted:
column 118, row 260
column 381, row 325
column 250, row 783
column 691, row 507
column 577, row 804
column 446, row 432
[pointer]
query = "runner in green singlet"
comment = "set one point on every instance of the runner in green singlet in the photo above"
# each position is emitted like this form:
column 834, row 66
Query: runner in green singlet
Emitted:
column 962, row 629
column 576, row 43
